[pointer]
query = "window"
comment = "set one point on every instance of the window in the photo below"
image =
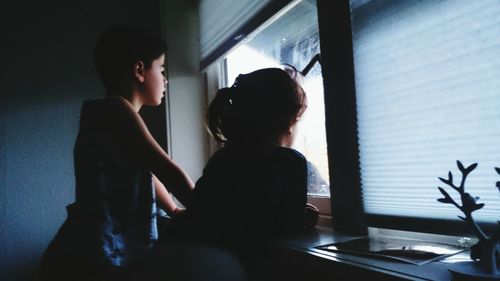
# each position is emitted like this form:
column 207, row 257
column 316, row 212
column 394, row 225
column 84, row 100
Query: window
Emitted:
column 292, row 37
column 409, row 88
column 224, row 23
column 427, row 75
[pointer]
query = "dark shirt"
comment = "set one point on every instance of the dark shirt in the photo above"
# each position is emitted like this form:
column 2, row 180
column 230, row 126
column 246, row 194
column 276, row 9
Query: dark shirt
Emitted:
column 246, row 196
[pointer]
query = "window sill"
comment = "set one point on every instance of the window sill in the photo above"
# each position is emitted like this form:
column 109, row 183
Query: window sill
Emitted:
column 321, row 202
column 297, row 259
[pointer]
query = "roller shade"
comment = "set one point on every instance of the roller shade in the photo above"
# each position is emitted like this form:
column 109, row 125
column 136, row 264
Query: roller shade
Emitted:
column 224, row 23
column 427, row 77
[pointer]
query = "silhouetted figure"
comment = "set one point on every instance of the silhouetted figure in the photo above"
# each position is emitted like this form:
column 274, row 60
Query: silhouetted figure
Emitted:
column 254, row 187
column 111, row 227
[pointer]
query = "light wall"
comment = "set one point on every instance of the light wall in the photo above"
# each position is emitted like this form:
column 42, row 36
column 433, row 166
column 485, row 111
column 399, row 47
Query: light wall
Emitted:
column 187, row 101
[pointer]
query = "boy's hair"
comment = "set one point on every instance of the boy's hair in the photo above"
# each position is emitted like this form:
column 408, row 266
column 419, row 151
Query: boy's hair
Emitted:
column 260, row 107
column 119, row 47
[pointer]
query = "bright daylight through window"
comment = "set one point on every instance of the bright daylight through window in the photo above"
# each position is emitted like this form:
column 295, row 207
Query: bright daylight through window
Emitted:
column 292, row 37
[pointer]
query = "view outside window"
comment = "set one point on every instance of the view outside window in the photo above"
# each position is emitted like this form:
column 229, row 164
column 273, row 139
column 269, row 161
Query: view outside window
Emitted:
column 293, row 38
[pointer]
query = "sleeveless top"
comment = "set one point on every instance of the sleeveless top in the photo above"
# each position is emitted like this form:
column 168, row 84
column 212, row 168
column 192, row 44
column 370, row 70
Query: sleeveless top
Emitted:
column 113, row 219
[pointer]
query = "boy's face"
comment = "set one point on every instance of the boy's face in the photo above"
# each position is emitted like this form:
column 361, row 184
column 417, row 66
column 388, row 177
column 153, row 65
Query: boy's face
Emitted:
column 155, row 82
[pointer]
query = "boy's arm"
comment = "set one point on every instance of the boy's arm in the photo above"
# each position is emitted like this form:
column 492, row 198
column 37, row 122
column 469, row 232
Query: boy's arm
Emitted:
column 164, row 198
column 129, row 127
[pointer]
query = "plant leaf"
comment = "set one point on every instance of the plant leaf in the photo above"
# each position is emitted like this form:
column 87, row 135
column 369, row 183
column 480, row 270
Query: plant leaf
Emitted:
column 477, row 207
column 498, row 170
column 445, row 200
column 443, row 192
column 470, row 168
column 460, row 166
column 445, row 181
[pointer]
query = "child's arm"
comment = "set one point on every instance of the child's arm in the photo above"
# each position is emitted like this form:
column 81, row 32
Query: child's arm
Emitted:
column 164, row 198
column 129, row 127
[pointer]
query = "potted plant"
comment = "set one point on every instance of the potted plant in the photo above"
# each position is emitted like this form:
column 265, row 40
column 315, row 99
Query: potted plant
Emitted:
column 485, row 254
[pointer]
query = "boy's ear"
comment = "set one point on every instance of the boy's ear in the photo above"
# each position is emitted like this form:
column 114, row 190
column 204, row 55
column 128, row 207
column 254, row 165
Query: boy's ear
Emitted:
column 139, row 71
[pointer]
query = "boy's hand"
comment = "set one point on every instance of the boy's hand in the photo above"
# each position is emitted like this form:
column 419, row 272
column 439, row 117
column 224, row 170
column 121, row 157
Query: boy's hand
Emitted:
column 178, row 211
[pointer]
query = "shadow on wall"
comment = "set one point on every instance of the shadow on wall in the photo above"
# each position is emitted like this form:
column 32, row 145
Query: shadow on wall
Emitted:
column 23, row 270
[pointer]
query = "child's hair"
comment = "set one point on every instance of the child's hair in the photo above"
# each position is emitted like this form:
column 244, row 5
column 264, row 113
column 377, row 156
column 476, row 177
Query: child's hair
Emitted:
column 259, row 107
column 119, row 47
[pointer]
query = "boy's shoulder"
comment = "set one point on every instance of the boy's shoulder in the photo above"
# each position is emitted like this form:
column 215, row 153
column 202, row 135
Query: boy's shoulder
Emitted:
column 108, row 105
column 110, row 101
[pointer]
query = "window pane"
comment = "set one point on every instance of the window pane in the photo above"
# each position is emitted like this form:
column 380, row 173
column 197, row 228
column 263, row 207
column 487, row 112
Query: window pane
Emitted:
column 293, row 38
column 427, row 88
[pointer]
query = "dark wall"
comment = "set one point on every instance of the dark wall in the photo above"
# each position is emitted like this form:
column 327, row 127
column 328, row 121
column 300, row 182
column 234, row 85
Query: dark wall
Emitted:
column 47, row 71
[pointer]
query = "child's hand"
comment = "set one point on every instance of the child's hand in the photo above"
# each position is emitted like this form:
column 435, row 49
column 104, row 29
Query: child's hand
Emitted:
column 311, row 215
column 178, row 211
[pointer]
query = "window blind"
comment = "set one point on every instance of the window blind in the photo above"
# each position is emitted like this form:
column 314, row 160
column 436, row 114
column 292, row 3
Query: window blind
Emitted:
column 220, row 19
column 427, row 77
